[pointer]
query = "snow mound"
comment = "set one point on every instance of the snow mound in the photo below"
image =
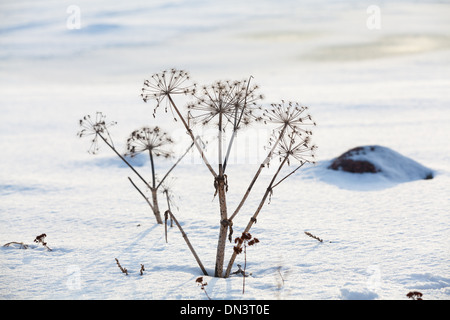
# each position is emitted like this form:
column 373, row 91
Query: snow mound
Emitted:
column 371, row 167
column 378, row 159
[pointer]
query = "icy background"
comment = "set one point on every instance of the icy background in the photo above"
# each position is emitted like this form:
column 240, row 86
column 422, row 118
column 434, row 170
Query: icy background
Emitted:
column 387, row 86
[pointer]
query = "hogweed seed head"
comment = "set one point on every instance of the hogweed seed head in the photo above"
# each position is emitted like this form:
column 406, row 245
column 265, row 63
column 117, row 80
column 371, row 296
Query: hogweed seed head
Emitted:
column 235, row 101
column 297, row 146
column 162, row 85
column 149, row 139
column 289, row 114
column 95, row 127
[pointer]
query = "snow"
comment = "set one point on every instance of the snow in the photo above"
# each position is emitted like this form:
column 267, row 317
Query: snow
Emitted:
column 382, row 236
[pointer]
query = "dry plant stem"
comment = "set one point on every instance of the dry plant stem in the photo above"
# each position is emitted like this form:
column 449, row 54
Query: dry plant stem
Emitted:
column 154, row 208
column 189, row 131
column 166, row 213
column 186, row 239
column 220, row 255
column 220, row 189
column 236, row 126
column 124, row 270
column 154, row 191
column 124, row 160
column 287, row 176
column 245, row 266
column 22, row 245
column 156, row 211
column 155, row 200
column 153, row 169
column 313, row 236
column 263, row 164
column 175, row 164
column 253, row 218
column 142, row 194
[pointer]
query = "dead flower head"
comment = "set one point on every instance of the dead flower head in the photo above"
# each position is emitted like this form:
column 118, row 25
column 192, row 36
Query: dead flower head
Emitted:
column 95, row 127
column 297, row 146
column 161, row 86
column 247, row 239
column 149, row 139
column 289, row 114
column 235, row 101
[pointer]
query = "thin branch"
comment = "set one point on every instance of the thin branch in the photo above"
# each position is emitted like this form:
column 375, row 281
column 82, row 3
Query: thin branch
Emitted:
column 189, row 131
column 166, row 214
column 176, row 163
column 253, row 218
column 22, row 245
column 142, row 194
column 153, row 168
column 291, row 173
column 236, row 125
column 255, row 177
column 124, row 160
column 185, row 237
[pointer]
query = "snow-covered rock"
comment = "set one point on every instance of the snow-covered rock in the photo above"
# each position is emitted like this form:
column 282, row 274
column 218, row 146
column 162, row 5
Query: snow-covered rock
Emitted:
column 381, row 160
column 369, row 168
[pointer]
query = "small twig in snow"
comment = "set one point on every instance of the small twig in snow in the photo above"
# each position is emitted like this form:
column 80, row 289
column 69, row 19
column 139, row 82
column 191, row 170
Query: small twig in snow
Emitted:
column 313, row 236
column 124, row 270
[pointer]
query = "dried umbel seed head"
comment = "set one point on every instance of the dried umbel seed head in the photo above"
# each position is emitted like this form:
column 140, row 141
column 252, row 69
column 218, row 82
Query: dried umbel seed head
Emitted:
column 253, row 241
column 235, row 101
column 289, row 114
column 161, row 86
column 199, row 280
column 247, row 239
column 150, row 139
column 297, row 146
column 95, row 127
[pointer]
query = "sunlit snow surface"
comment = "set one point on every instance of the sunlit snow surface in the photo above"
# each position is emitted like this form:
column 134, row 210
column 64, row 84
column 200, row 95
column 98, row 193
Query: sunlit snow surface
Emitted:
column 364, row 86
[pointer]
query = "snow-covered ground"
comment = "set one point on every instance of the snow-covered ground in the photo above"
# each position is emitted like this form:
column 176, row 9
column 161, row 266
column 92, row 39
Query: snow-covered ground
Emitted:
column 367, row 81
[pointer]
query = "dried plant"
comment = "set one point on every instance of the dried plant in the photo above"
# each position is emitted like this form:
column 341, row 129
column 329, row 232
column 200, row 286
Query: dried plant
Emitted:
column 302, row 154
column 162, row 86
column 234, row 104
column 414, row 295
column 21, row 244
column 313, row 236
column 186, row 239
column 202, row 285
column 146, row 139
column 41, row 239
column 124, row 270
column 234, row 101
column 156, row 143
column 142, row 269
column 228, row 106
column 97, row 128
column 151, row 140
column 290, row 114
column 245, row 240
column 240, row 271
